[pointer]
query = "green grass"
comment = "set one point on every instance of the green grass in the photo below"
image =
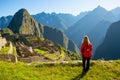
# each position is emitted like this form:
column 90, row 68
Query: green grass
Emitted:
column 40, row 51
column 71, row 71
column 47, row 54
column 34, row 38
column 14, row 50
column 31, row 38
column 62, row 54
column 4, row 50
column 51, row 56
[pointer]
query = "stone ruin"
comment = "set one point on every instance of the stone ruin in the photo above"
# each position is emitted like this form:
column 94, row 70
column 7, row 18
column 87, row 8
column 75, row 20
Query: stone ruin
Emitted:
column 3, row 42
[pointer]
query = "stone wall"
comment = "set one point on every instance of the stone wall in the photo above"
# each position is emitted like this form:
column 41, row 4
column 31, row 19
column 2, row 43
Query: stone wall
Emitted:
column 7, row 57
column 3, row 42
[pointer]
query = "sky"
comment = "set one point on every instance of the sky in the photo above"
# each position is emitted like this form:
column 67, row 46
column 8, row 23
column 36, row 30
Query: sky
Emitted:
column 10, row 7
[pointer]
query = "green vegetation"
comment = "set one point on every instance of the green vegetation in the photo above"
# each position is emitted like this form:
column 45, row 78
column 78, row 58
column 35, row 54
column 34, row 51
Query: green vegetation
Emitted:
column 31, row 37
column 71, row 71
column 4, row 50
column 40, row 39
column 74, row 56
column 47, row 54
column 14, row 50
column 62, row 54
column 51, row 56
column 61, row 50
column 6, row 31
column 40, row 51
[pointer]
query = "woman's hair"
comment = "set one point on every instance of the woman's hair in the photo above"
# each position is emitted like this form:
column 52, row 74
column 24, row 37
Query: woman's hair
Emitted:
column 86, row 40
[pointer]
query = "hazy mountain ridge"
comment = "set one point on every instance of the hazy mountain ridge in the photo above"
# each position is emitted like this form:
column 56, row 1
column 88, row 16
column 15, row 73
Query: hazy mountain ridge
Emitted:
column 86, row 24
column 4, row 21
column 67, row 19
column 51, row 20
column 116, row 12
column 98, row 33
column 60, row 21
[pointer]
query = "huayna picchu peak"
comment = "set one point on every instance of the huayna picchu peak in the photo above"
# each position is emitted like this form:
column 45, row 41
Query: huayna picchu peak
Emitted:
column 23, row 23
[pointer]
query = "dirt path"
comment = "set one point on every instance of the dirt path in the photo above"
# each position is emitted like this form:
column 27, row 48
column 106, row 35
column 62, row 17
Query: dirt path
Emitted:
column 73, row 61
column 65, row 62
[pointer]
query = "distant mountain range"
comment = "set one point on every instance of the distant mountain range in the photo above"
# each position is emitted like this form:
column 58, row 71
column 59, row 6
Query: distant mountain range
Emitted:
column 60, row 21
column 116, row 13
column 4, row 21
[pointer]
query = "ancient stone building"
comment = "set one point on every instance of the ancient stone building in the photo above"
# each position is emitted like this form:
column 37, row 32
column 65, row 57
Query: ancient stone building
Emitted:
column 3, row 42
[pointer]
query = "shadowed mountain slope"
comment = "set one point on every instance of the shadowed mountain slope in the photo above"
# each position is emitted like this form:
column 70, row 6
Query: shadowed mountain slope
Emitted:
column 109, row 49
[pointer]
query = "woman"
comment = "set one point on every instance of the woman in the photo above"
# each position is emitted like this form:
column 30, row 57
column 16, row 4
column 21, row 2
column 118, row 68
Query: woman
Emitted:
column 86, row 51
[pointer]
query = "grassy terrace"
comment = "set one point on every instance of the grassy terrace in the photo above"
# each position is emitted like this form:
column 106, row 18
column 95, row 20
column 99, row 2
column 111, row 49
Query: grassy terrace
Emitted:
column 70, row 71
column 4, row 50
column 47, row 54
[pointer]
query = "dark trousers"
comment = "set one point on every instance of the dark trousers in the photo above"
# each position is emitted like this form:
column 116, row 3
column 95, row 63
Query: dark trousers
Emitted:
column 84, row 64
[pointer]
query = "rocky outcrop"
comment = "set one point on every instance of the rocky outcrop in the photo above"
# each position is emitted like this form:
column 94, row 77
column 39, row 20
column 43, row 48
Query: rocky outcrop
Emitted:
column 24, row 51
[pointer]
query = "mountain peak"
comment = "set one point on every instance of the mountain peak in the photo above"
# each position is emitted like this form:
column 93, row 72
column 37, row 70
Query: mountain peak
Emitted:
column 23, row 23
column 99, row 11
column 99, row 8
column 23, row 11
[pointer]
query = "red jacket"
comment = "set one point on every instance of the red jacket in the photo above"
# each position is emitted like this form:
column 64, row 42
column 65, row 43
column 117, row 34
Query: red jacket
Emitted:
column 86, row 50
